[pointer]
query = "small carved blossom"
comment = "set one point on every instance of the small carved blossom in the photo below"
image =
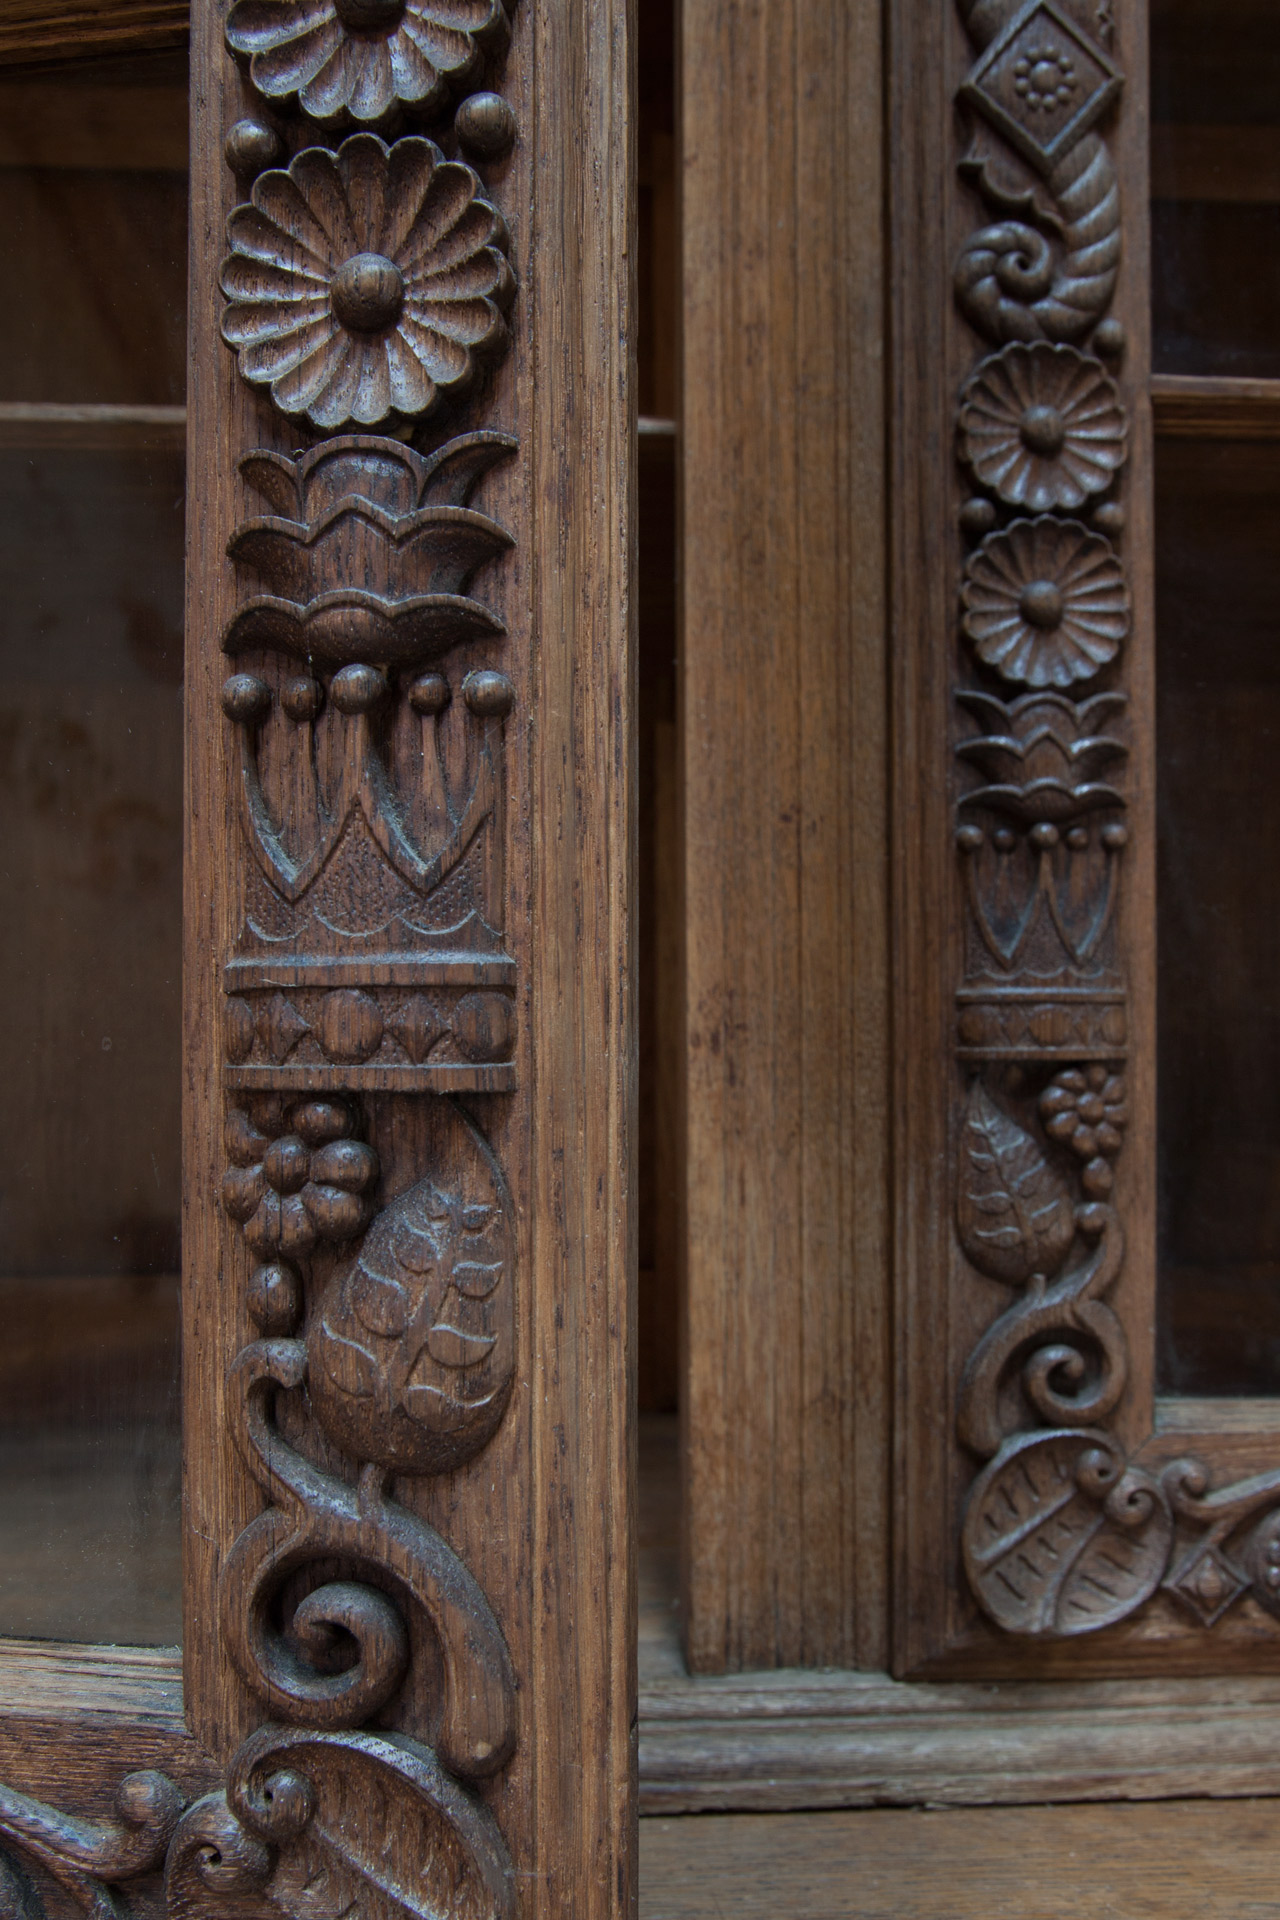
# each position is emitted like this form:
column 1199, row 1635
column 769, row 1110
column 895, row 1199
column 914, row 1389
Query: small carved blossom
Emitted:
column 348, row 60
column 298, row 1183
column 1042, row 426
column 1085, row 1109
column 1045, row 603
column 365, row 284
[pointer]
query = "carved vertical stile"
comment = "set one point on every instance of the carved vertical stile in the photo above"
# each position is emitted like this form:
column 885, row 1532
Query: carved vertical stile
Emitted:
column 1068, row 1519
column 409, row 1586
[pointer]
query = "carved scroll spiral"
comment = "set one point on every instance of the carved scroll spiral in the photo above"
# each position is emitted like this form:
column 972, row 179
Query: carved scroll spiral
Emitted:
column 314, row 1517
column 86, row 1858
column 285, row 1836
column 1019, row 282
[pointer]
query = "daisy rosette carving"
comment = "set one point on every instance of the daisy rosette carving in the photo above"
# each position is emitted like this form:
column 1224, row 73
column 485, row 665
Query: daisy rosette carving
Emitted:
column 1045, row 603
column 359, row 60
column 1043, row 427
column 366, row 286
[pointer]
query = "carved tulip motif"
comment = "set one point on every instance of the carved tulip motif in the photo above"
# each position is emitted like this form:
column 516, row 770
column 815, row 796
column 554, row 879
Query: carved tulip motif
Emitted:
column 1043, row 427
column 345, row 60
column 365, row 285
column 1045, row 603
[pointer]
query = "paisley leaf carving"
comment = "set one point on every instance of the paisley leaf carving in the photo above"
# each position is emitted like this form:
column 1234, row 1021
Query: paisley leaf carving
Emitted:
column 1014, row 1213
column 1059, row 1539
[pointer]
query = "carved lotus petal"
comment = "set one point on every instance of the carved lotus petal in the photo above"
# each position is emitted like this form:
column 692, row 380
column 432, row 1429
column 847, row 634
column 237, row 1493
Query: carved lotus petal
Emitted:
column 1043, row 755
column 436, row 550
column 348, row 626
column 1043, row 427
column 365, row 285
column 374, row 470
column 357, row 60
column 1045, row 603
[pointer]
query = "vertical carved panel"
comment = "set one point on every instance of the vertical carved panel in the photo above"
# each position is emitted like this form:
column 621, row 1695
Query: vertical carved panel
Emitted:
column 1028, row 942
column 410, row 1597
column 365, row 295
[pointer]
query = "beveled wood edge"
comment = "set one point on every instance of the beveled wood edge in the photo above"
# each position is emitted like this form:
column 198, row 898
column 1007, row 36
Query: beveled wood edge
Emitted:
column 91, row 427
column 49, row 33
column 58, row 1680
column 791, row 1741
column 1192, row 407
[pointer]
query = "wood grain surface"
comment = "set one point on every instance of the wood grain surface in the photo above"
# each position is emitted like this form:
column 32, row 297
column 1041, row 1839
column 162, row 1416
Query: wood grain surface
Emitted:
column 782, row 757
column 1045, row 1863
column 34, row 30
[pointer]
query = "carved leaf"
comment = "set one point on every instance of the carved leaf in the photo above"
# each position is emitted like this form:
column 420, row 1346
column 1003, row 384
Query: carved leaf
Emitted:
column 412, row 1354
column 1059, row 1539
column 390, row 1836
column 1014, row 1211
column 451, row 1347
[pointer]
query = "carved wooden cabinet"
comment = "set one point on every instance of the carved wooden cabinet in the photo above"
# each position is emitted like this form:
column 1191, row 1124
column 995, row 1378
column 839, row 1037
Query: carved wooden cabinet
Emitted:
column 404, row 1048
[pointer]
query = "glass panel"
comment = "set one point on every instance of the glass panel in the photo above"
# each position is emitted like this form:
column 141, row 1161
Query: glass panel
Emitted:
column 1218, row 736
column 91, row 563
column 1215, row 164
column 97, row 232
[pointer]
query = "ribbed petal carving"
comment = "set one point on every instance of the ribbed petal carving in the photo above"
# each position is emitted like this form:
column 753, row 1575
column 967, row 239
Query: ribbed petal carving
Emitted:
column 365, row 285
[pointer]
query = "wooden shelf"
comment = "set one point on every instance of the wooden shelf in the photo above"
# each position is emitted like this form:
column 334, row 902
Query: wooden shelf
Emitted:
column 92, row 428
column 1191, row 407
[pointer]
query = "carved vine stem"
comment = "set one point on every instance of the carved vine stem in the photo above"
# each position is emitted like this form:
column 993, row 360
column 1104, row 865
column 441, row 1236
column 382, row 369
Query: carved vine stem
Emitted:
column 367, row 290
column 1062, row 1534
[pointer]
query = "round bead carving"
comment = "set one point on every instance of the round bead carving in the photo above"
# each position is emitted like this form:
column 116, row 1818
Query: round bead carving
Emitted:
column 367, row 293
column 485, row 126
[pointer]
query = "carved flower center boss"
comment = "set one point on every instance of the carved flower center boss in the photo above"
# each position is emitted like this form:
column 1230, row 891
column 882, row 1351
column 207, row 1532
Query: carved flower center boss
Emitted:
column 368, row 284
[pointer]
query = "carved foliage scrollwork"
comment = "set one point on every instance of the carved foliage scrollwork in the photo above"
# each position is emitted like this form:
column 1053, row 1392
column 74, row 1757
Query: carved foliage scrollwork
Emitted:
column 1063, row 1533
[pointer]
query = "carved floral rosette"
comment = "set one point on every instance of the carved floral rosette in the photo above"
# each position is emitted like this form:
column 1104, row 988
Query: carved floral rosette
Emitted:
column 1063, row 1533
column 367, row 699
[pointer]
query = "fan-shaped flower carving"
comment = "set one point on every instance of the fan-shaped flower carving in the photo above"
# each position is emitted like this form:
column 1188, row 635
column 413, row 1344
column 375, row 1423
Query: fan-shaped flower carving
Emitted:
column 1043, row 427
column 357, row 60
column 1042, row 754
column 365, row 509
column 1045, row 603
column 366, row 284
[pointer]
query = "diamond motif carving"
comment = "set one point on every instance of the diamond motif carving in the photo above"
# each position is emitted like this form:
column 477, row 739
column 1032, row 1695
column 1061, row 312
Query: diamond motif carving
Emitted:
column 1042, row 84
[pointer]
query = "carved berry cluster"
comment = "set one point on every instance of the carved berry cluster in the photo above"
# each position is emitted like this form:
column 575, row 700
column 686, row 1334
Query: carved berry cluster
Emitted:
column 299, row 1183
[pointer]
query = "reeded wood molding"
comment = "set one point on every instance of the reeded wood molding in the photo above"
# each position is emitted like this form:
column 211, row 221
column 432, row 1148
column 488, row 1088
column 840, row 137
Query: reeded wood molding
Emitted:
column 782, row 666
